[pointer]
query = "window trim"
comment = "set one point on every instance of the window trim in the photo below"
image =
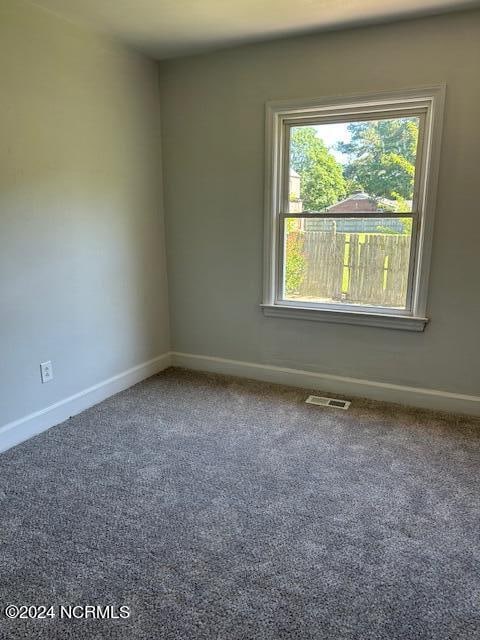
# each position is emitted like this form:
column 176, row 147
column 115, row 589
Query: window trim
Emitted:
column 282, row 114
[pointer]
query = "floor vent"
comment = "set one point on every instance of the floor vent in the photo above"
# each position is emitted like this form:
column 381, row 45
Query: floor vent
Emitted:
column 328, row 402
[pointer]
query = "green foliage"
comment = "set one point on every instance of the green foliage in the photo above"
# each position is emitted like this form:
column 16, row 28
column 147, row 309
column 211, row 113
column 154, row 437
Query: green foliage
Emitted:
column 399, row 205
column 322, row 181
column 382, row 157
column 295, row 263
column 407, row 228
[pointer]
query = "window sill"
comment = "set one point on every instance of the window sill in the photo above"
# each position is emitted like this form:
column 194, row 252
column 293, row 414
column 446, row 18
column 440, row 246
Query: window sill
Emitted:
column 364, row 318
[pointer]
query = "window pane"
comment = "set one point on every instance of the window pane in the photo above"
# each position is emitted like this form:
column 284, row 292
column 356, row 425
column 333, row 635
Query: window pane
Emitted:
column 348, row 167
column 359, row 261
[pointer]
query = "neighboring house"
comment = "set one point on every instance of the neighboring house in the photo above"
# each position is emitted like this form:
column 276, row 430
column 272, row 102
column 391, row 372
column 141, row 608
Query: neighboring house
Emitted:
column 295, row 201
column 358, row 202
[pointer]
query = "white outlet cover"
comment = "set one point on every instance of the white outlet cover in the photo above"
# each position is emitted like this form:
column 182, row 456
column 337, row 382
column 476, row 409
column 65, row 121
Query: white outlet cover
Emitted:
column 46, row 371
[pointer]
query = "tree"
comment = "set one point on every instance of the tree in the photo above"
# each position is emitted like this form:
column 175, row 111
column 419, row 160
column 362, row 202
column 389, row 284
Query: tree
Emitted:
column 322, row 182
column 295, row 259
column 382, row 158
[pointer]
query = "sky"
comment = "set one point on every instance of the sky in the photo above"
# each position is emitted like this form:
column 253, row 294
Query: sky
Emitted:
column 331, row 134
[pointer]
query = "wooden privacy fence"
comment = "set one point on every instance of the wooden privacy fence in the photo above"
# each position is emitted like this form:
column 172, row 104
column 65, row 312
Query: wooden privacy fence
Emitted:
column 360, row 268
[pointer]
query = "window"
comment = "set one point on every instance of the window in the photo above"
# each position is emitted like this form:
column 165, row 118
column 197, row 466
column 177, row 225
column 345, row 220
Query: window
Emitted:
column 350, row 195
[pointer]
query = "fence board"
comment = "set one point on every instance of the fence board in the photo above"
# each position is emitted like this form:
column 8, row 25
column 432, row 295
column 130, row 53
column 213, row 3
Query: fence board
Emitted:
column 355, row 267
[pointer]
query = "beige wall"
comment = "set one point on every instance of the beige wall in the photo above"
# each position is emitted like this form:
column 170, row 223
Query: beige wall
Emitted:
column 82, row 273
column 213, row 146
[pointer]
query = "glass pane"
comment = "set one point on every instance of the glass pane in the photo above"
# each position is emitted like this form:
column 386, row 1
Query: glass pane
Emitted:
column 361, row 261
column 347, row 167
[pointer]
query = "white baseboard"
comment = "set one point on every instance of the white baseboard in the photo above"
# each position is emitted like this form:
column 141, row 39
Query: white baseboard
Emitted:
column 384, row 391
column 15, row 432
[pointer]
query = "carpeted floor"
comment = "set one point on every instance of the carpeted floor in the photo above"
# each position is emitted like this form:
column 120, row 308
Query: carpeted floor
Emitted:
column 217, row 508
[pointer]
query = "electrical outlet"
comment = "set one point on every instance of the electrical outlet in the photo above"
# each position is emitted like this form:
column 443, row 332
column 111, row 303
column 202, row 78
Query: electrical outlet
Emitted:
column 46, row 371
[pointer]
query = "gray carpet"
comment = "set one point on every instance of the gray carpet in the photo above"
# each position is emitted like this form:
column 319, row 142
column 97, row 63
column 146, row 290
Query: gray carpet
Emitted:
column 217, row 508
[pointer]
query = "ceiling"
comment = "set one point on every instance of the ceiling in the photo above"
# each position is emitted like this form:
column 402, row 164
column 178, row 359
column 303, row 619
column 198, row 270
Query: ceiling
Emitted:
column 168, row 28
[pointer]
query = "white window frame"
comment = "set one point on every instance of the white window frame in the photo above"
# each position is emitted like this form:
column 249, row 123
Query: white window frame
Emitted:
column 426, row 102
